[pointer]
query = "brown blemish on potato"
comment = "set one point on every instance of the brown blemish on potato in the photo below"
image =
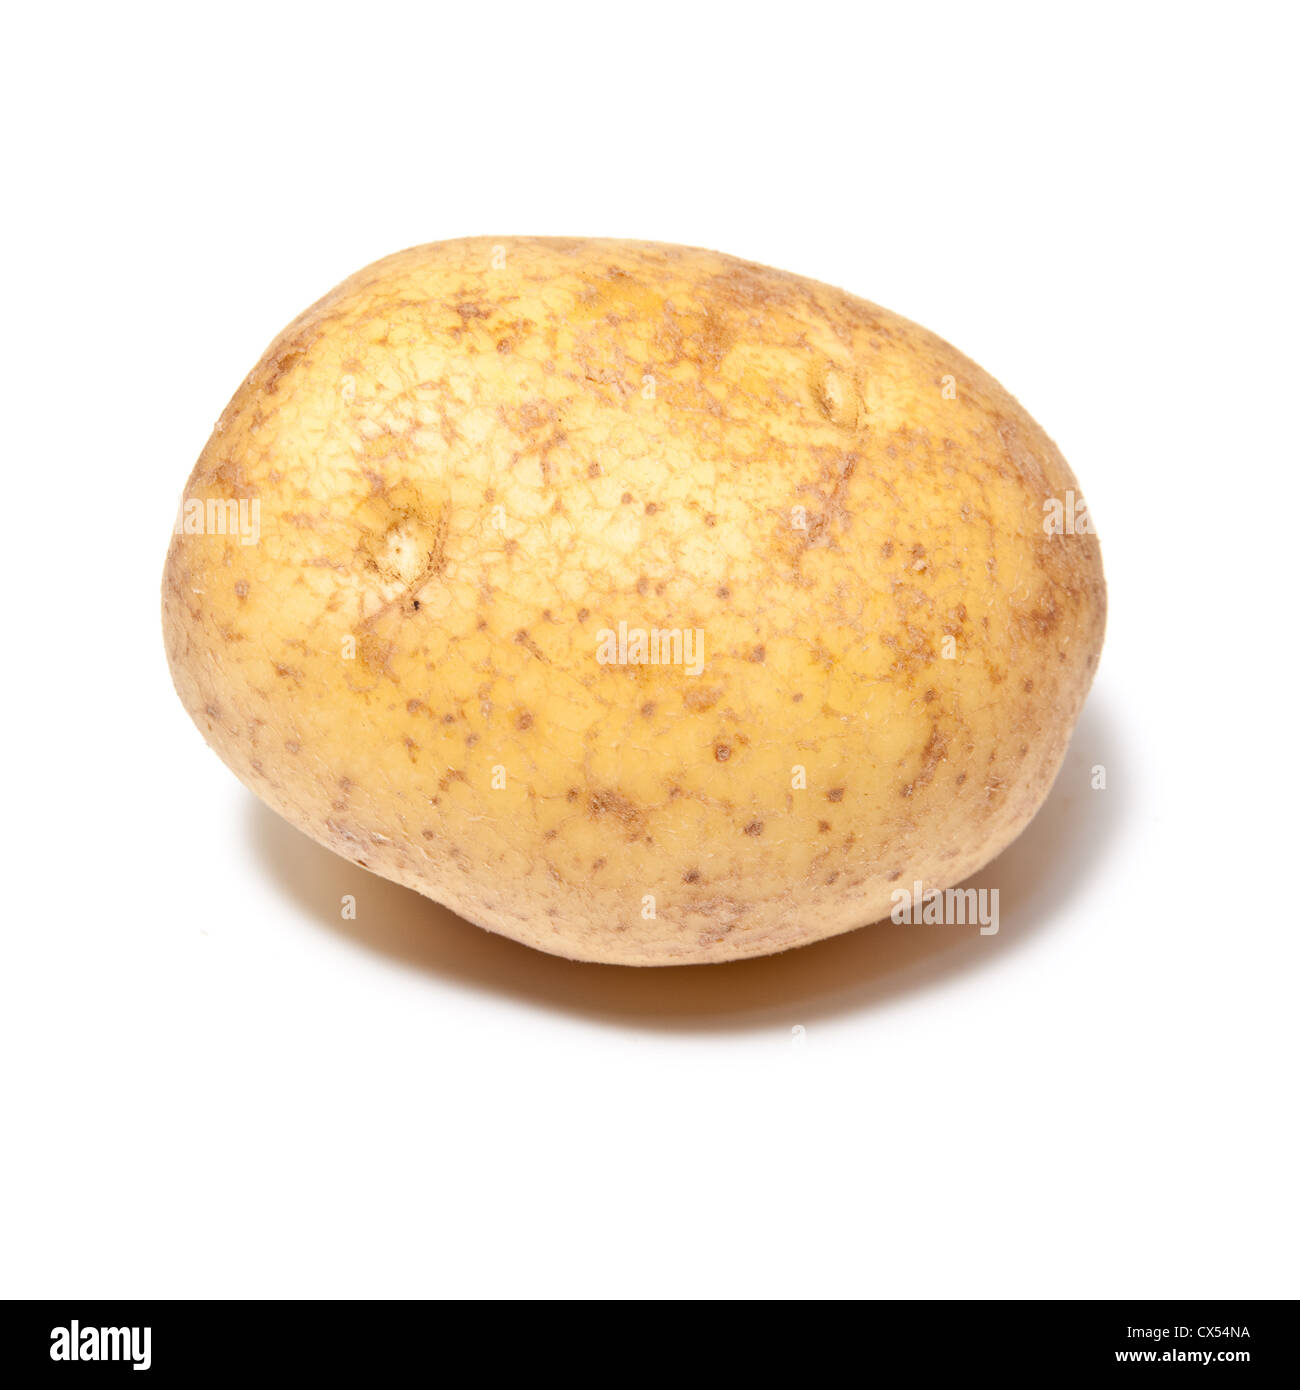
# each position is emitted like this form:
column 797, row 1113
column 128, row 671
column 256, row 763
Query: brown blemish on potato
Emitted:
column 699, row 699
column 529, row 645
column 282, row 362
column 615, row 806
column 837, row 393
column 376, row 653
column 931, row 756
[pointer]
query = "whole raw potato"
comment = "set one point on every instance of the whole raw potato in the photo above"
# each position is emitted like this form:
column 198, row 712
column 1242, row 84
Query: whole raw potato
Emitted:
column 639, row 603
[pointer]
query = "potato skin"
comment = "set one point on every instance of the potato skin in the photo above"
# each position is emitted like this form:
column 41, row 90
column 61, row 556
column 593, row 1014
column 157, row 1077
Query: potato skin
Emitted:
column 472, row 457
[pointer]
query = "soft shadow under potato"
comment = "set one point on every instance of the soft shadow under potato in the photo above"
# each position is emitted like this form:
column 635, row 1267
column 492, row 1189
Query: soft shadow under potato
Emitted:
column 1040, row 871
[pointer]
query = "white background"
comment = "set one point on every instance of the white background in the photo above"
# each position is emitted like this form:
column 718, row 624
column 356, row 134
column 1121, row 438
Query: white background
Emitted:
column 211, row 1085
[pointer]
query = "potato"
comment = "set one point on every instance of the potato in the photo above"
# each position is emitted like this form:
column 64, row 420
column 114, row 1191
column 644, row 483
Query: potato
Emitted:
column 639, row 603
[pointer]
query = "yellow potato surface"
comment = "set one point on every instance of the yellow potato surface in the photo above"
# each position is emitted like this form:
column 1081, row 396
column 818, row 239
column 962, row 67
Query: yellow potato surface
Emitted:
column 412, row 563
